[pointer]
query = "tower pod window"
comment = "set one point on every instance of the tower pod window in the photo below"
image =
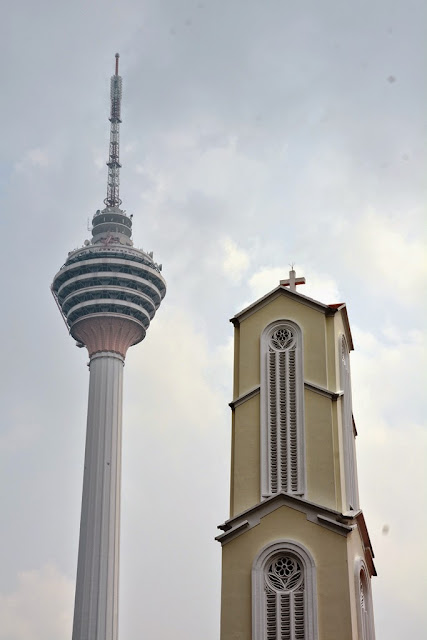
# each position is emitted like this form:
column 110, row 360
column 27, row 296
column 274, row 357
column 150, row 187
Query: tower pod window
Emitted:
column 282, row 410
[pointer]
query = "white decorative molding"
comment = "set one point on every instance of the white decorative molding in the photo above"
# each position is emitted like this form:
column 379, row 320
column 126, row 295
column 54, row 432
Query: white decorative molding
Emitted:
column 364, row 604
column 282, row 410
column 334, row 525
column 322, row 516
column 332, row 395
column 243, row 398
column 349, row 447
column 276, row 293
column 271, row 591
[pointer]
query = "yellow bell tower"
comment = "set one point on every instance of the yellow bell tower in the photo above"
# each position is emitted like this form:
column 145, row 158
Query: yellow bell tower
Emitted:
column 296, row 556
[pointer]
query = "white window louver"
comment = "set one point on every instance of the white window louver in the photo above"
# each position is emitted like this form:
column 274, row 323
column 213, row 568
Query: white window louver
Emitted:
column 284, row 599
column 282, row 389
column 348, row 435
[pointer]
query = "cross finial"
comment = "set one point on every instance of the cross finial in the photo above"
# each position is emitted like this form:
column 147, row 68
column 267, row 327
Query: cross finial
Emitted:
column 292, row 281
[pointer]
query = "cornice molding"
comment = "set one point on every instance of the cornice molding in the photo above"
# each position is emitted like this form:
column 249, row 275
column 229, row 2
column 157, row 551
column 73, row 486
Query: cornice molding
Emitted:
column 275, row 293
column 246, row 396
column 322, row 516
column 332, row 395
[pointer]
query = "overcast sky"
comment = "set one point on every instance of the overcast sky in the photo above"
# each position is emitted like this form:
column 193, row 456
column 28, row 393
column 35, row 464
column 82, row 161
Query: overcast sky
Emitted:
column 255, row 133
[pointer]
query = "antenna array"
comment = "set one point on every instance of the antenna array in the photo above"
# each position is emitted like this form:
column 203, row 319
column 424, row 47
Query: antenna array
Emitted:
column 113, row 164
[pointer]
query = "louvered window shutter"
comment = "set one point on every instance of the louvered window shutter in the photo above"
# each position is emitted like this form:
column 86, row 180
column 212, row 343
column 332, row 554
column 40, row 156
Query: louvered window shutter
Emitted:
column 284, row 429
column 284, row 599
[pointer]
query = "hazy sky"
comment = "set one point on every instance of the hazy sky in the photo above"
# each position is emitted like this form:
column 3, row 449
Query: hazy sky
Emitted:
column 255, row 133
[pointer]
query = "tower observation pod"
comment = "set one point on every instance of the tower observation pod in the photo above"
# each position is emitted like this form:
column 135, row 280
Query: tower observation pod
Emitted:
column 108, row 292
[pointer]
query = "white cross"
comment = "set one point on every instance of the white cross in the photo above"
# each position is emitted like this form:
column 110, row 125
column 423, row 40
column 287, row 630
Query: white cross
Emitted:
column 292, row 281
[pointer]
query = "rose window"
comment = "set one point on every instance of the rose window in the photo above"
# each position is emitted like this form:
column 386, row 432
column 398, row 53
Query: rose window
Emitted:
column 282, row 339
column 284, row 574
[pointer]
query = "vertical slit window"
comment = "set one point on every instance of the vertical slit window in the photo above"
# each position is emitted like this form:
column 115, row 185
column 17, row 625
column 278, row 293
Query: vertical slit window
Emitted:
column 282, row 418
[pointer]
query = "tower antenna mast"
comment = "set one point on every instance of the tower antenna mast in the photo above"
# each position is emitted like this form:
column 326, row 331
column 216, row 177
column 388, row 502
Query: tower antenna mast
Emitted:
column 113, row 164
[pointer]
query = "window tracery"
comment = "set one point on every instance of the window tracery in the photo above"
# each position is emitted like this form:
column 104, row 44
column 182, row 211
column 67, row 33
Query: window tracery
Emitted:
column 284, row 593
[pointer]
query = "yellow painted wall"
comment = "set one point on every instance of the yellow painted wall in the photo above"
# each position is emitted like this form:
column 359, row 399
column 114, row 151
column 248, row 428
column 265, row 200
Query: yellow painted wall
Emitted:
column 313, row 325
column 245, row 480
column 319, row 450
column 323, row 435
column 329, row 551
column 334, row 555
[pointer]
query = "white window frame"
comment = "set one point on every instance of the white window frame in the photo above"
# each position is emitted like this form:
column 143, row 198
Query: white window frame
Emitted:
column 265, row 460
column 258, row 587
column 365, row 623
column 349, row 444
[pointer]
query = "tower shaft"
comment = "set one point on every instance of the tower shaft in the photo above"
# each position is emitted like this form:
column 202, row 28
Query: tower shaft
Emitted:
column 96, row 602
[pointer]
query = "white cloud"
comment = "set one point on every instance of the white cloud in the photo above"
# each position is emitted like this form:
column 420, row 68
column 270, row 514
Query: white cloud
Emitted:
column 99, row 157
column 389, row 252
column 17, row 436
column 40, row 608
column 182, row 384
column 187, row 160
column 33, row 158
column 393, row 483
column 176, row 466
column 392, row 446
column 388, row 375
column 235, row 260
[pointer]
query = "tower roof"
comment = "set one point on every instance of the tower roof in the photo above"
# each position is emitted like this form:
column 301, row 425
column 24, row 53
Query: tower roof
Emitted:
column 283, row 290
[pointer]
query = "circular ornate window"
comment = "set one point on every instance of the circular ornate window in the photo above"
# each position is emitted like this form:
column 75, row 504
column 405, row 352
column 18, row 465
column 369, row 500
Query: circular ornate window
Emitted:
column 284, row 574
column 282, row 338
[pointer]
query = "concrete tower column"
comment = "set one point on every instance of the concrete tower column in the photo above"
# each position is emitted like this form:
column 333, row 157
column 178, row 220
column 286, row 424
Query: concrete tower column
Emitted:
column 96, row 605
column 97, row 588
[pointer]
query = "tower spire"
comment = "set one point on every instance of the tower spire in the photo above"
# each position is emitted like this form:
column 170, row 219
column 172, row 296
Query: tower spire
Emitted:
column 113, row 164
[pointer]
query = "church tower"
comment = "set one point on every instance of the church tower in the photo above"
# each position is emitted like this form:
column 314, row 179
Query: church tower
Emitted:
column 297, row 561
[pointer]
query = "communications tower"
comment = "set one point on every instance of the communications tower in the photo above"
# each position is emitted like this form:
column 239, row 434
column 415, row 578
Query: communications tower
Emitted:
column 108, row 292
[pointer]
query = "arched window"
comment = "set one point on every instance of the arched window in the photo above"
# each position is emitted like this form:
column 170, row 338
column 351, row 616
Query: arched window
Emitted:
column 282, row 410
column 284, row 593
column 352, row 495
column 365, row 610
